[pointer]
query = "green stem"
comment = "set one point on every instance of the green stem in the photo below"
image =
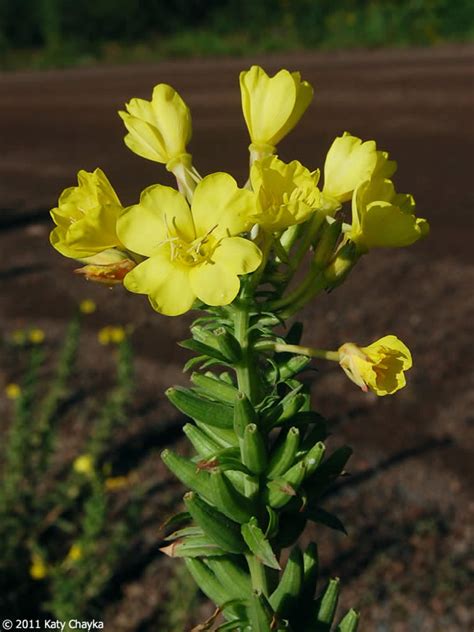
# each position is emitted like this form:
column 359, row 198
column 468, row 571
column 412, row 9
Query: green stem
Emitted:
column 247, row 381
column 307, row 351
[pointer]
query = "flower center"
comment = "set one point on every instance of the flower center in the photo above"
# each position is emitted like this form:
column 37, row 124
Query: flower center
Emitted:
column 191, row 253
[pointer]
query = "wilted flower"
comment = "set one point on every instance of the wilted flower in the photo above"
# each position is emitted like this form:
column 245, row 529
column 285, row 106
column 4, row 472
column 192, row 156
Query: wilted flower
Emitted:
column 85, row 217
column 272, row 106
column 380, row 366
column 287, row 194
column 193, row 253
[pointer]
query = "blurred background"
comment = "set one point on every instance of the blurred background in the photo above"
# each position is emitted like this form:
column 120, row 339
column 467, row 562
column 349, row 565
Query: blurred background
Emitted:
column 83, row 369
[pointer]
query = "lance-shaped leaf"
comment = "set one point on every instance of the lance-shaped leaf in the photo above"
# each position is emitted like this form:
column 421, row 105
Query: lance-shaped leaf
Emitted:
column 349, row 623
column 203, row 350
column 284, row 452
column 188, row 474
column 228, row 571
column 193, row 546
column 284, row 597
column 254, row 452
column 258, row 544
column 201, row 409
column 229, row 500
column 219, row 528
column 214, row 388
column 317, row 514
column 328, row 471
column 244, row 414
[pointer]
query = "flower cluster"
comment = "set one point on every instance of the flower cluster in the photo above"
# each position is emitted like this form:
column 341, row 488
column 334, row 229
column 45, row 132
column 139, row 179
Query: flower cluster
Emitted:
column 207, row 242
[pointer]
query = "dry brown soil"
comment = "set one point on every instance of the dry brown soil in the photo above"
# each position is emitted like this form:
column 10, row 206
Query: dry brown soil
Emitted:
column 407, row 503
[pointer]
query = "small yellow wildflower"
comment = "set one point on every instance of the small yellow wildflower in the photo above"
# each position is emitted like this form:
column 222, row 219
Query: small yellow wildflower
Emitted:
column 383, row 218
column 87, row 306
column 379, row 367
column 287, row 194
column 12, row 391
column 85, row 219
column 117, row 334
column 84, row 464
column 74, row 553
column 38, row 567
column 159, row 129
column 36, row 336
column 272, row 106
column 111, row 334
column 192, row 252
column 349, row 162
column 18, row 337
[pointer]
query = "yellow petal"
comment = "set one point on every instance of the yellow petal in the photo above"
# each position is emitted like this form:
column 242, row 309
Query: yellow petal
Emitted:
column 159, row 129
column 385, row 225
column 220, row 206
column 86, row 217
column 272, row 106
column 144, row 139
column 166, row 283
column 161, row 213
column 237, row 255
column 214, row 283
column 348, row 163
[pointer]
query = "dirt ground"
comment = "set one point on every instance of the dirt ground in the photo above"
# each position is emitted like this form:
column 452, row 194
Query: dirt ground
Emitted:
column 407, row 504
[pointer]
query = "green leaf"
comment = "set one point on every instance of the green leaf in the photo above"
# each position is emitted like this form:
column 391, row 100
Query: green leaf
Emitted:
column 258, row 544
column 201, row 409
column 203, row 349
column 324, row 517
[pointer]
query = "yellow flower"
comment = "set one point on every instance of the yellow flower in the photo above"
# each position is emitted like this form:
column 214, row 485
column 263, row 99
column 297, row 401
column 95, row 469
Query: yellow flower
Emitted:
column 349, row 162
column 383, row 218
column 158, row 129
column 287, row 194
column 84, row 464
column 12, row 391
column 111, row 334
column 38, row 568
column 74, row 553
column 36, row 336
column 380, row 366
column 193, row 253
column 18, row 337
column 272, row 106
column 87, row 306
column 86, row 216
